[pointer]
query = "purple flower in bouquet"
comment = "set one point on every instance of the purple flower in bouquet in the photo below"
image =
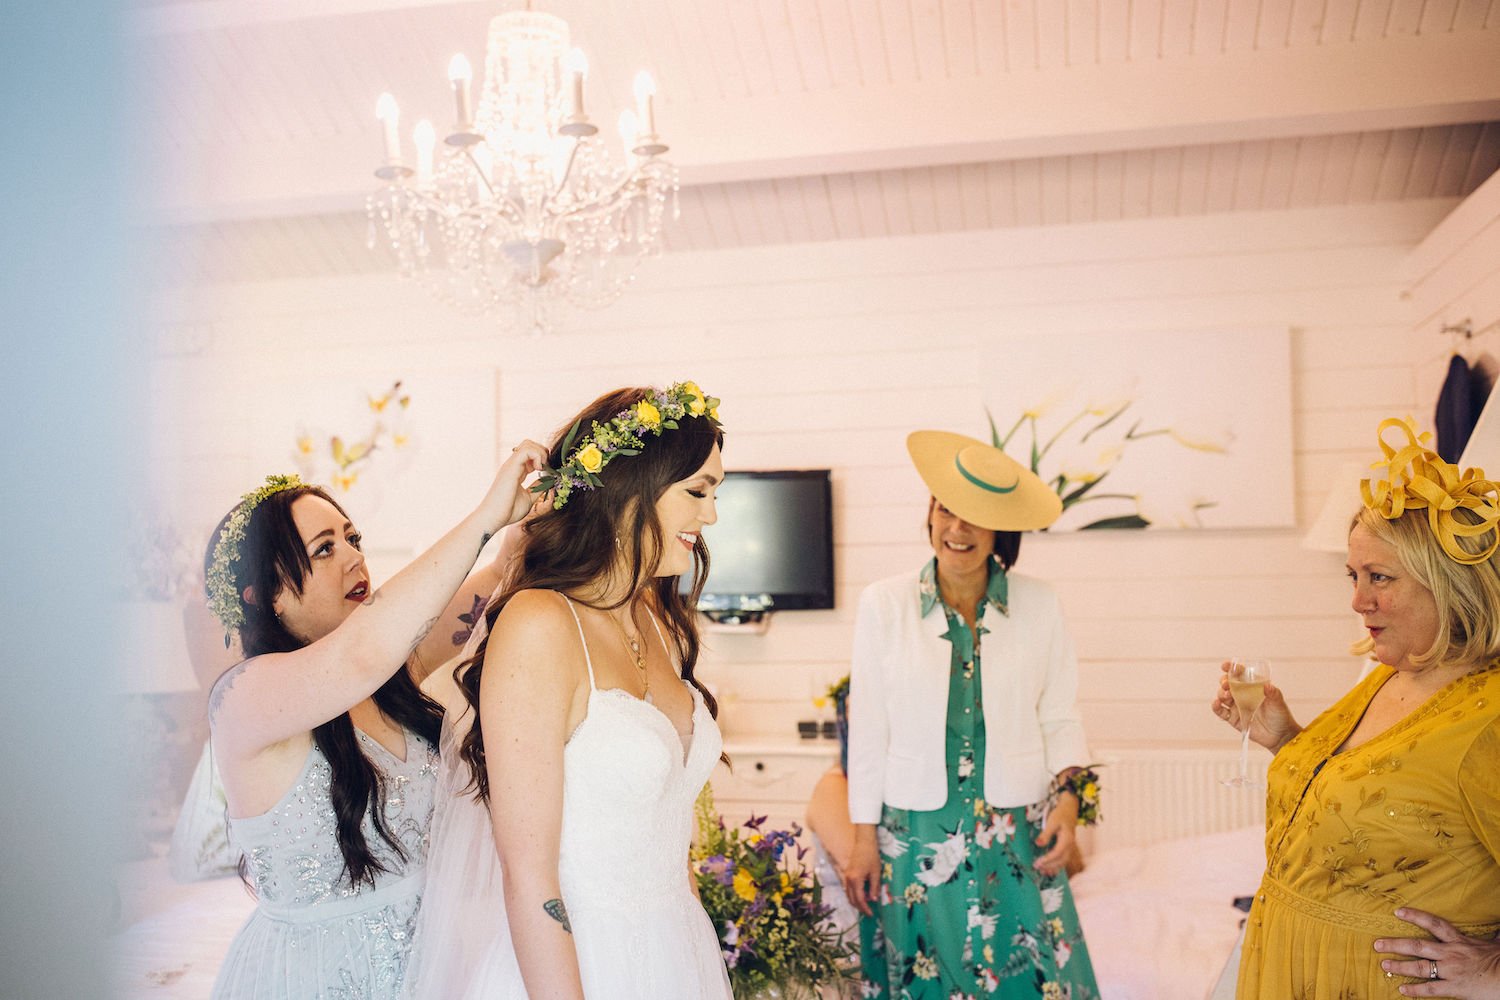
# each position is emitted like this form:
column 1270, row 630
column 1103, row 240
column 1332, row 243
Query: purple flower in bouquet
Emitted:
column 720, row 867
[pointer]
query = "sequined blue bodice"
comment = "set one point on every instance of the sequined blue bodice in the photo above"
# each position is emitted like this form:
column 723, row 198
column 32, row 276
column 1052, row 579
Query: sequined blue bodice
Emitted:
column 292, row 849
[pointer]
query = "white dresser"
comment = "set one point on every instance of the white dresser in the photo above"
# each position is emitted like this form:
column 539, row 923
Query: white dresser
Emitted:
column 772, row 778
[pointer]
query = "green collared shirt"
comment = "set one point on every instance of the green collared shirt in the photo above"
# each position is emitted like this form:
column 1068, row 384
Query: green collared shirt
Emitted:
column 965, row 739
column 996, row 593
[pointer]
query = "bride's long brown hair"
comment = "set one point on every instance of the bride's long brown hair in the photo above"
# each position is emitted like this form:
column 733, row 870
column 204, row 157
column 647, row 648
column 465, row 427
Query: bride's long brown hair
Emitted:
column 573, row 549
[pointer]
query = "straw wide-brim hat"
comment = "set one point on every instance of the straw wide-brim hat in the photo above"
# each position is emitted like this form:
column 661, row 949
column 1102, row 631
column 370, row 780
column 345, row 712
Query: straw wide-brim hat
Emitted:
column 982, row 484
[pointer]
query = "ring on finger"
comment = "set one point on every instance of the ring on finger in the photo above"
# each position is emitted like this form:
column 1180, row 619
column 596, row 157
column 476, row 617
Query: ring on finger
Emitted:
column 1432, row 973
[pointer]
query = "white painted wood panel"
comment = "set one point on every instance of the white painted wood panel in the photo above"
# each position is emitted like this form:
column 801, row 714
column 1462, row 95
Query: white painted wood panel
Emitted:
column 827, row 355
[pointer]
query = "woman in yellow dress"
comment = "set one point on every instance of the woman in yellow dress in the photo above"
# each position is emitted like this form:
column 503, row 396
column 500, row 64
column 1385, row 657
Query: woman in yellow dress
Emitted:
column 1391, row 798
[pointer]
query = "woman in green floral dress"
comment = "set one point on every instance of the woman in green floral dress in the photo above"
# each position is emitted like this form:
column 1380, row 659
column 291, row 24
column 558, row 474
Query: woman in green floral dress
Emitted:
column 967, row 761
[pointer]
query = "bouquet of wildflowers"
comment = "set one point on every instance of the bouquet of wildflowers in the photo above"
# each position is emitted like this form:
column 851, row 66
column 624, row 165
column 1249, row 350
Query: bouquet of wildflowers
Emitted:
column 767, row 907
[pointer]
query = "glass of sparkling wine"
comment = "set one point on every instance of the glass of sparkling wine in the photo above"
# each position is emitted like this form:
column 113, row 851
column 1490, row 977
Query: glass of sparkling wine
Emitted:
column 1247, row 685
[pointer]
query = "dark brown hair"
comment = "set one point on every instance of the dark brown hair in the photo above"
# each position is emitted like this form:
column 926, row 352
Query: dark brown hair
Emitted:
column 569, row 549
column 272, row 558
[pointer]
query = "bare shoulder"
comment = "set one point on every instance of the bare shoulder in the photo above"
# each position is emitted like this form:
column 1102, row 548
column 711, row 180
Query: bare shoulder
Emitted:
column 535, row 641
column 532, row 615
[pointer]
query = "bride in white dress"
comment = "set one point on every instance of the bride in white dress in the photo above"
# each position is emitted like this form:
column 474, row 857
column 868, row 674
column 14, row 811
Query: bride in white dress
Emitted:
column 592, row 739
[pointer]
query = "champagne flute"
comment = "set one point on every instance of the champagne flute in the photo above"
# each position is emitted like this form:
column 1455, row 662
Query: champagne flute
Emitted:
column 1247, row 686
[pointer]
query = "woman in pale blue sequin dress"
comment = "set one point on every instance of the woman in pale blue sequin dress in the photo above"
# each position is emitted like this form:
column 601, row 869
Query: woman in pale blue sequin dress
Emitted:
column 325, row 743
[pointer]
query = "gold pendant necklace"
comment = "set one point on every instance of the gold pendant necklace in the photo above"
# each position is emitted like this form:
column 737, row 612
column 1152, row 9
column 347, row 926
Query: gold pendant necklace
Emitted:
column 633, row 647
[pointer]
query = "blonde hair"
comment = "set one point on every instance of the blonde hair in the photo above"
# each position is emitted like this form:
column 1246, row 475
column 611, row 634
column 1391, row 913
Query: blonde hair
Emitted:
column 1467, row 596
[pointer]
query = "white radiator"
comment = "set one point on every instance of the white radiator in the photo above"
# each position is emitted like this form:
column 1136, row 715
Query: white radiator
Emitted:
column 1151, row 794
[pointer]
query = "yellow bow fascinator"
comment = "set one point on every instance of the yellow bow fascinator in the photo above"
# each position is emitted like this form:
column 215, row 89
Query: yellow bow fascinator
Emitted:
column 1417, row 477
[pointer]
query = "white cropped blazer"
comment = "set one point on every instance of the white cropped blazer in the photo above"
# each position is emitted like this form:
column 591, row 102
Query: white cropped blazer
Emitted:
column 898, row 699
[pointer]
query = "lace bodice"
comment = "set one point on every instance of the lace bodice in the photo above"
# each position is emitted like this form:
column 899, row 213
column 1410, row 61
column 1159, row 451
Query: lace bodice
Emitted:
column 626, row 762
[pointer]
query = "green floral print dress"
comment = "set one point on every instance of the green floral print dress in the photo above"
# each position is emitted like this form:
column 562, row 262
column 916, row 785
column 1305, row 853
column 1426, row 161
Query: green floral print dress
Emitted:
column 960, row 912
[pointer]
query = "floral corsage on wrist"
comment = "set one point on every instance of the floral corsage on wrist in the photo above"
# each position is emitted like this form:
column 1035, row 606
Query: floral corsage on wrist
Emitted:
column 1084, row 784
column 624, row 434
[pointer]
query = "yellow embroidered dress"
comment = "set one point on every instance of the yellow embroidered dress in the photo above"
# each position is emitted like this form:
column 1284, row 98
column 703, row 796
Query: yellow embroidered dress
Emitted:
column 1409, row 818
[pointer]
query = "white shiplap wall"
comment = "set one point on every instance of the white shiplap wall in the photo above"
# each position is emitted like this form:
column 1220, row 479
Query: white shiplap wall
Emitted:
column 826, row 355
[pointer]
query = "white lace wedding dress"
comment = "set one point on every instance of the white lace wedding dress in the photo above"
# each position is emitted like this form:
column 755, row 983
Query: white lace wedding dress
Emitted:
column 628, row 792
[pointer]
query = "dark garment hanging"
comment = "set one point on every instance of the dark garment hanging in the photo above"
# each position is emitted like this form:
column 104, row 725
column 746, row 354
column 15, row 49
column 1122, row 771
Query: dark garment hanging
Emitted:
column 1482, row 372
column 1458, row 408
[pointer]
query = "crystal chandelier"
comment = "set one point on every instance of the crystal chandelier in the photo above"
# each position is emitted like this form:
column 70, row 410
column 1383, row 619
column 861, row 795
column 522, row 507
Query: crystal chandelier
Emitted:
column 524, row 204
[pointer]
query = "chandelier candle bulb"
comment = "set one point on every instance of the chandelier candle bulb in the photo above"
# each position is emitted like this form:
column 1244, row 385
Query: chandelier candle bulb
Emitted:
column 645, row 101
column 390, row 116
column 461, row 75
column 578, row 65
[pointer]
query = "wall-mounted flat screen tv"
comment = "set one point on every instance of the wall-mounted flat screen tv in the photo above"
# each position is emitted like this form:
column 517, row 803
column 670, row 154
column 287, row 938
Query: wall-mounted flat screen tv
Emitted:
column 772, row 547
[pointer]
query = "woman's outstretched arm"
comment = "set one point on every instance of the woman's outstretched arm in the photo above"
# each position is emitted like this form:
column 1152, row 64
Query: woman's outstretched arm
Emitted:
column 266, row 699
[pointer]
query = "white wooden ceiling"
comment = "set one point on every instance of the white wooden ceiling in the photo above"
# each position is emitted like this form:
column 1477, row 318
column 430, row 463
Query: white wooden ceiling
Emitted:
column 799, row 120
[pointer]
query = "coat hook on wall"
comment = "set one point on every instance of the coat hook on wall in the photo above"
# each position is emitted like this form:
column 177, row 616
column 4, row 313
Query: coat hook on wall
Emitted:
column 1464, row 328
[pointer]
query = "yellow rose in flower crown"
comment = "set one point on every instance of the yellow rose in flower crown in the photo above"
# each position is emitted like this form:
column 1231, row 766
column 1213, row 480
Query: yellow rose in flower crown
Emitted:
column 647, row 413
column 591, row 458
column 699, row 404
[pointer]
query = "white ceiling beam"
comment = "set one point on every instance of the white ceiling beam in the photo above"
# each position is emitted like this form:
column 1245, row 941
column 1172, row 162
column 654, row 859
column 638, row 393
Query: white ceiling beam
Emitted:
column 1462, row 226
column 193, row 16
column 1400, row 82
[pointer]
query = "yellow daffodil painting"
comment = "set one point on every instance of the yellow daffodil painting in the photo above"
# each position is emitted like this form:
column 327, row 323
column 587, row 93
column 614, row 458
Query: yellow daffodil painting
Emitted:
column 1096, row 438
column 338, row 461
column 1140, row 428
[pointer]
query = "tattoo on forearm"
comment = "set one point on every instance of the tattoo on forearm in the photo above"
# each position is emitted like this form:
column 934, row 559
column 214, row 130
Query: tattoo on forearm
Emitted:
column 221, row 688
column 558, row 912
column 422, row 633
column 470, row 620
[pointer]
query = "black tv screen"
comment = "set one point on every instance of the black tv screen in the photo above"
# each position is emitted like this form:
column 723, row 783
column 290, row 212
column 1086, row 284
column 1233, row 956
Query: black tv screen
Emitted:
column 772, row 547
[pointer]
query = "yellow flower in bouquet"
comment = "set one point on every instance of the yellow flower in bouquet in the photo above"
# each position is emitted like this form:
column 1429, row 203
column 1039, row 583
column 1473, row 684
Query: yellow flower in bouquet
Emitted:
column 767, row 907
column 744, row 885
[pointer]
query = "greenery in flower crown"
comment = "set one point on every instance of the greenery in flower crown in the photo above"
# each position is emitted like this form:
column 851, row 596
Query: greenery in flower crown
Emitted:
column 767, row 907
column 223, row 595
column 624, row 434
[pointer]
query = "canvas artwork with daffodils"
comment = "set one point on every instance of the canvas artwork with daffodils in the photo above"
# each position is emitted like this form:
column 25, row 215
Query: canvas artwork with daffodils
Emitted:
column 336, row 461
column 1076, row 454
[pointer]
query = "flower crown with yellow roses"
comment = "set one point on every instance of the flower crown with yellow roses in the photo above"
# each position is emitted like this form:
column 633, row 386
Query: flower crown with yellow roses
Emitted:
column 623, row 434
column 1417, row 477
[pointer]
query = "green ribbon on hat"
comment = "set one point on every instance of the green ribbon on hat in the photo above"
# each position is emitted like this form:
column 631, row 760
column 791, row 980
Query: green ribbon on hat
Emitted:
column 959, row 465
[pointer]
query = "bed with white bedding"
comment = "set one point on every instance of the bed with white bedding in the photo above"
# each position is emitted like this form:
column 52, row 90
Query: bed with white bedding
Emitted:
column 1158, row 919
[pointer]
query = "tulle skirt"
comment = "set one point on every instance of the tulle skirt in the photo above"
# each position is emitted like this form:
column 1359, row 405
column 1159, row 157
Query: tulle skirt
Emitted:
column 463, row 912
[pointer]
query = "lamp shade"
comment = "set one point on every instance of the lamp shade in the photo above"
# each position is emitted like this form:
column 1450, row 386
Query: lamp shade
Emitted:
column 1330, row 531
